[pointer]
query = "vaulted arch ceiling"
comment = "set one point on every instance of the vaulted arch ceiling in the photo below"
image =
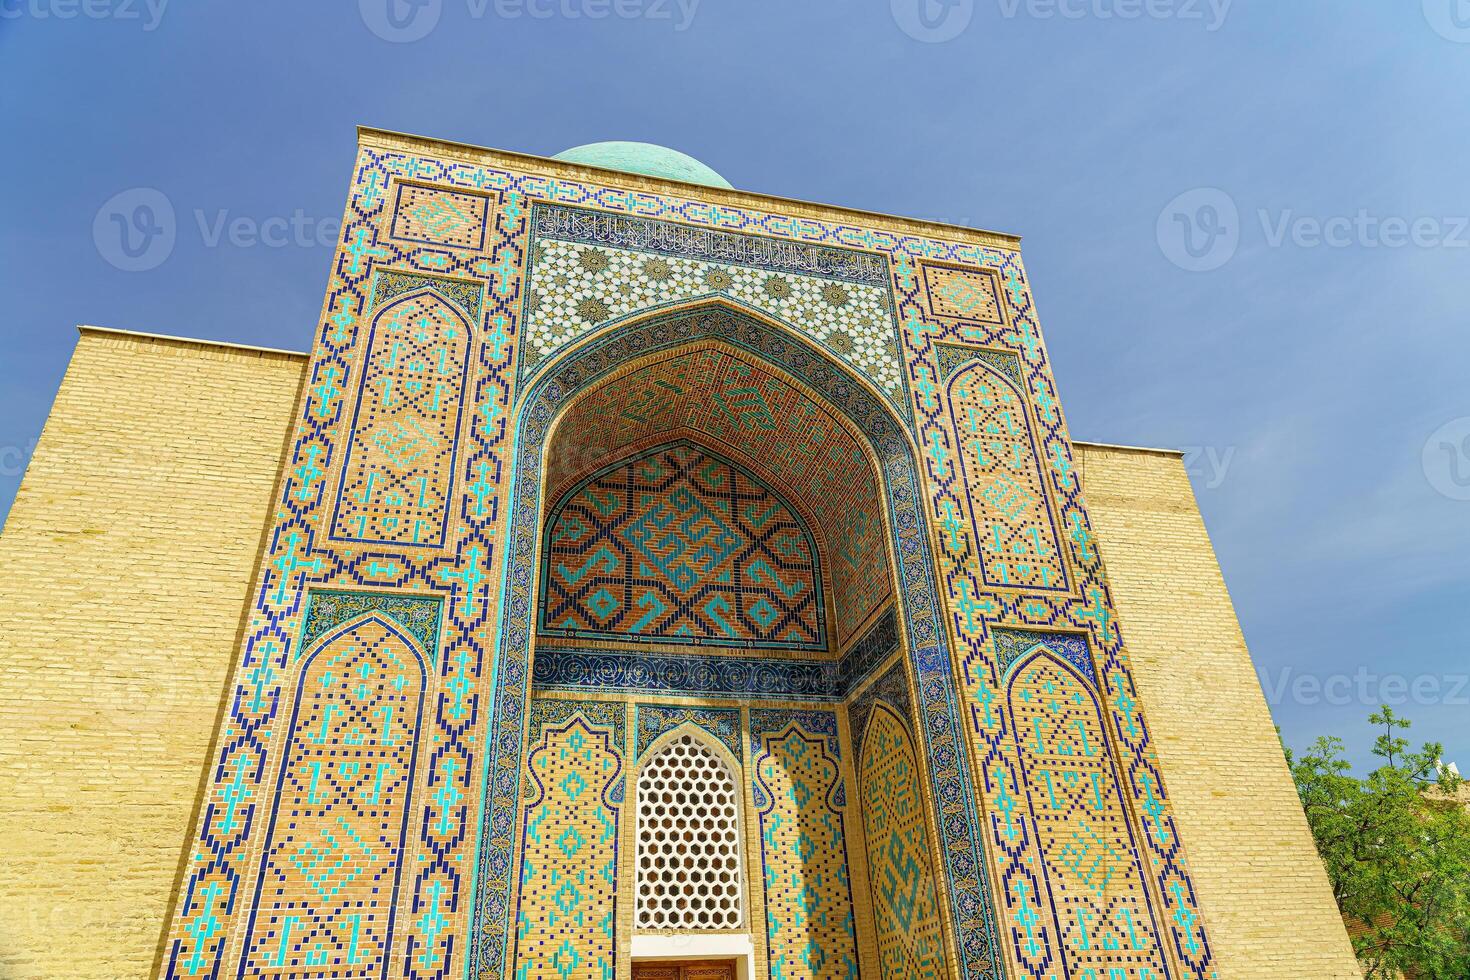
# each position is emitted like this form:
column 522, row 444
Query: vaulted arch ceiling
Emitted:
column 747, row 413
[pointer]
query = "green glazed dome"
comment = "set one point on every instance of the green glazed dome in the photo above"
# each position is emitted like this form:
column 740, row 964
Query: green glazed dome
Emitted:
column 648, row 159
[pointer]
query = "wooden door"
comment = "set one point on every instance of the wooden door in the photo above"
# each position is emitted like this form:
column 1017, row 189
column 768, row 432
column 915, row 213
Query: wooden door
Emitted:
column 685, row 970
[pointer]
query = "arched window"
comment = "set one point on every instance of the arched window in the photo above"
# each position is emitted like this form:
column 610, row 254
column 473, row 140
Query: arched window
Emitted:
column 689, row 866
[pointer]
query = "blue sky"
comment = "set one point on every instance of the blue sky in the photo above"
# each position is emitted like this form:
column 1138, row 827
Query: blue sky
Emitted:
column 1320, row 149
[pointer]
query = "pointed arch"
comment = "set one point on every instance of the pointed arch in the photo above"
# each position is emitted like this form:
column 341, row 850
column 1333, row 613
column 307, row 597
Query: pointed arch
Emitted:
column 399, row 468
column 330, row 876
column 900, row 870
column 889, row 443
column 1073, row 798
column 1015, row 534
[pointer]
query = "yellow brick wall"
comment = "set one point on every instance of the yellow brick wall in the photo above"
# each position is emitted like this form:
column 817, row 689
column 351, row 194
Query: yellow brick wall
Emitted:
column 126, row 559
column 1268, row 906
column 128, row 553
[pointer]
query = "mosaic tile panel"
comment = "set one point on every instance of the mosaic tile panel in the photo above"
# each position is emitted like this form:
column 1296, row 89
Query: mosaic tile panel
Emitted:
column 399, row 472
column 795, row 444
column 799, row 798
column 954, row 800
column 1007, row 499
column 900, row 870
column 490, row 539
column 560, row 668
column 653, row 720
column 957, row 293
column 207, row 935
column 681, row 545
column 566, row 921
column 1094, row 882
column 1010, row 352
column 891, row 688
column 327, row 892
column 581, row 281
column 437, row 216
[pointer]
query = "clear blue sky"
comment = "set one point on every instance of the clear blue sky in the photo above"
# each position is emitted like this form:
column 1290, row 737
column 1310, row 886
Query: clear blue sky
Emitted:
column 1313, row 374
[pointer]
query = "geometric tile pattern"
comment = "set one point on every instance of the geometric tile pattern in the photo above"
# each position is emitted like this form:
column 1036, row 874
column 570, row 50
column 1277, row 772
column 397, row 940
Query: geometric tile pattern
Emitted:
column 1063, row 587
column 1094, row 882
column 681, row 545
column 328, row 887
column 653, row 720
column 998, row 461
column 588, row 669
column 799, row 802
column 567, row 917
column 957, row 293
column 474, row 225
column 735, row 405
column 580, row 283
column 434, row 216
column 603, row 361
column 400, row 460
column 900, row 871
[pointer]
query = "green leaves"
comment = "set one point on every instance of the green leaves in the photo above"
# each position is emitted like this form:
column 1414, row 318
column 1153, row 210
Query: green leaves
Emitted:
column 1396, row 847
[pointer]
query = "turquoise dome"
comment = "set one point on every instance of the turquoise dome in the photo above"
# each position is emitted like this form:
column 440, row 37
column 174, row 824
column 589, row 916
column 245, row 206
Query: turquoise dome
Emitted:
column 648, row 159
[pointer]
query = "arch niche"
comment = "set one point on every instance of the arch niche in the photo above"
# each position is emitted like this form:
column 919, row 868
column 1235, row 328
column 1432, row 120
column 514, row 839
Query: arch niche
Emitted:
column 714, row 347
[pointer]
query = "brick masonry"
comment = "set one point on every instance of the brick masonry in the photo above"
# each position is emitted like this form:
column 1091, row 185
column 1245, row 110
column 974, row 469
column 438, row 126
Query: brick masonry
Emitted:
column 122, row 615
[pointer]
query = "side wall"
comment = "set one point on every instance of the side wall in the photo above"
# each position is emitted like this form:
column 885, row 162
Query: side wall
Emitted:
column 127, row 557
column 1266, row 895
column 123, row 605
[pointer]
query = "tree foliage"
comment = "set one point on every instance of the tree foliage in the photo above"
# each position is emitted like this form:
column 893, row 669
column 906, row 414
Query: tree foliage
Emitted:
column 1396, row 846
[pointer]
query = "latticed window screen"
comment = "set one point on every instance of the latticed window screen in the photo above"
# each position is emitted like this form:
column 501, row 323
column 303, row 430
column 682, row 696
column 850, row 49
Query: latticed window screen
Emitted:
column 688, row 840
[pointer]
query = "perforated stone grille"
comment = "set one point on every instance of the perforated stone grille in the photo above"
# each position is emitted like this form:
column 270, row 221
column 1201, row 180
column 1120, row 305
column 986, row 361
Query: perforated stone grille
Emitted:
column 688, row 840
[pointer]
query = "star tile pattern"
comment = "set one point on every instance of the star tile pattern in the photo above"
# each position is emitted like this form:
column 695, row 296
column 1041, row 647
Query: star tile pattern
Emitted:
column 577, row 288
